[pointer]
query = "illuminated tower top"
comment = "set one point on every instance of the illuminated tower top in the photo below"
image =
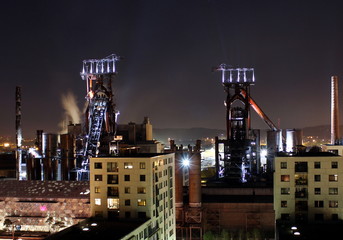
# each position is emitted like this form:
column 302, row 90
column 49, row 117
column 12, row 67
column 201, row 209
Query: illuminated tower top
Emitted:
column 236, row 75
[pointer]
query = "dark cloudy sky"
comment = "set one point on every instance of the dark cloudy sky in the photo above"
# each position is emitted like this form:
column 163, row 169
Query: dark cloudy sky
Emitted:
column 169, row 48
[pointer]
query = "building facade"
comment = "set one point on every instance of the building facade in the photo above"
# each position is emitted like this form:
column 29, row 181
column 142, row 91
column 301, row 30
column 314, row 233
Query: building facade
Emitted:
column 139, row 187
column 308, row 189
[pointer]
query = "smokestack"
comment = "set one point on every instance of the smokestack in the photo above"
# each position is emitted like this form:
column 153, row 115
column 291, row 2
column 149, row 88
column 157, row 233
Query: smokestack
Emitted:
column 334, row 110
column 18, row 131
column 195, row 176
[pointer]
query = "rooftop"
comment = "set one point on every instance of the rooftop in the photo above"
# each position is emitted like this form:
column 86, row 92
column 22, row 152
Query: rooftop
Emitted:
column 96, row 229
column 44, row 189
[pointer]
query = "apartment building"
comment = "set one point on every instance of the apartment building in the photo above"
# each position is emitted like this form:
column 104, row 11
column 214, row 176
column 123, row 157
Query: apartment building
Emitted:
column 308, row 189
column 138, row 187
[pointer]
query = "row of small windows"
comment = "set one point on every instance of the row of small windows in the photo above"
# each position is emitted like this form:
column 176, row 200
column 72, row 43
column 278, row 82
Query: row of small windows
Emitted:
column 113, row 203
column 317, row 204
column 113, row 166
column 114, row 191
column 299, row 191
column 114, row 179
column 302, row 166
column 303, row 180
column 317, row 217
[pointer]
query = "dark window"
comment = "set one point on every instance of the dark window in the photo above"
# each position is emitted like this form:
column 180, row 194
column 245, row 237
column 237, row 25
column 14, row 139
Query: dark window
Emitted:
column 334, row 217
column 317, row 191
column 333, row 191
column 283, row 204
column 316, row 164
column 127, row 214
column 97, row 177
column 285, row 191
column 127, row 202
column 142, row 178
column 141, row 214
column 127, row 189
column 142, row 165
column 112, row 179
column 333, row 204
column 318, row 204
column 112, row 167
column 334, row 164
column 317, row 178
column 301, row 166
column 98, row 165
column 301, row 205
column 127, row 178
column 112, row 192
column 283, row 165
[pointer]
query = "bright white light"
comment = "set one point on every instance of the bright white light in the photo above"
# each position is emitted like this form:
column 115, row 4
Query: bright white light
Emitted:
column 94, row 224
column 264, row 153
column 6, row 144
column 294, row 228
column 185, row 162
column 85, row 229
column 296, row 233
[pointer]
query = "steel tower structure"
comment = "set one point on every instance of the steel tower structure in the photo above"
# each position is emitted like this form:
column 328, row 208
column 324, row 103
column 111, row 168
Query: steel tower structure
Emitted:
column 100, row 116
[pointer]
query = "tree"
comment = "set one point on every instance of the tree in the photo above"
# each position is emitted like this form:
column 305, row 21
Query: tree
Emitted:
column 208, row 236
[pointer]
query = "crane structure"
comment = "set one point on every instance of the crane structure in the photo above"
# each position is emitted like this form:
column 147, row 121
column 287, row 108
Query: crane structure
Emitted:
column 238, row 160
column 101, row 116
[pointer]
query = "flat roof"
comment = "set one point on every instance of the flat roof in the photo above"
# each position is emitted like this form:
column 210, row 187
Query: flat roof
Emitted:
column 96, row 229
column 44, row 189
column 136, row 155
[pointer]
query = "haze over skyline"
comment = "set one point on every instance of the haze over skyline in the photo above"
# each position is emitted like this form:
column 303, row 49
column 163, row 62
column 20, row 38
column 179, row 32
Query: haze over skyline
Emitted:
column 169, row 49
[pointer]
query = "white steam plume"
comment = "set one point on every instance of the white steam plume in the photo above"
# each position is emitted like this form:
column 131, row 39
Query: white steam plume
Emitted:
column 72, row 112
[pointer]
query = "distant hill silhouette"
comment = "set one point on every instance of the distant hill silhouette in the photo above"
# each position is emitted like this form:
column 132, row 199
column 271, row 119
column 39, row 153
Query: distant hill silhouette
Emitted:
column 190, row 135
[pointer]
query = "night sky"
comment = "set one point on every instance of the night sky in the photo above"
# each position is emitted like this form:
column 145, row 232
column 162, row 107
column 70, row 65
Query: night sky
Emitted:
column 169, row 49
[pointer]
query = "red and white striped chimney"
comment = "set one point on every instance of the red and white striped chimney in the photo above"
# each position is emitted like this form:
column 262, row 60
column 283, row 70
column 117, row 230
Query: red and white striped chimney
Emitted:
column 334, row 110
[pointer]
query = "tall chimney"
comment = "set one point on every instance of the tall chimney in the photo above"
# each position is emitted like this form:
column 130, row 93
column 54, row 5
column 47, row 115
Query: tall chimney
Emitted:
column 18, row 131
column 334, row 110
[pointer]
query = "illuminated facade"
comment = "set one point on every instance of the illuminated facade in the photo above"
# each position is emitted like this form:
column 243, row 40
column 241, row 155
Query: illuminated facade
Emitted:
column 308, row 189
column 139, row 187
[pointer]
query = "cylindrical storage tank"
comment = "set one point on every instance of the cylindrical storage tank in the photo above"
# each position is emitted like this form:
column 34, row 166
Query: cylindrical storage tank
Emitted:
column 292, row 140
column 274, row 141
column 299, row 137
column 195, row 177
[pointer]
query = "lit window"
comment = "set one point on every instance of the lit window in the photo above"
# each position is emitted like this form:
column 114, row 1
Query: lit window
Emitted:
column 97, row 189
column 141, row 202
column 284, row 178
column 128, row 165
column 333, row 191
column 142, row 165
column 333, row 204
column 333, row 178
column 98, row 177
column 97, row 201
column 98, row 165
column 112, row 167
column 334, row 164
column 113, row 203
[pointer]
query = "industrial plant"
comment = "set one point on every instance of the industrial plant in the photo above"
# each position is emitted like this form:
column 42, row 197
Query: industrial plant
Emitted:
column 102, row 178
